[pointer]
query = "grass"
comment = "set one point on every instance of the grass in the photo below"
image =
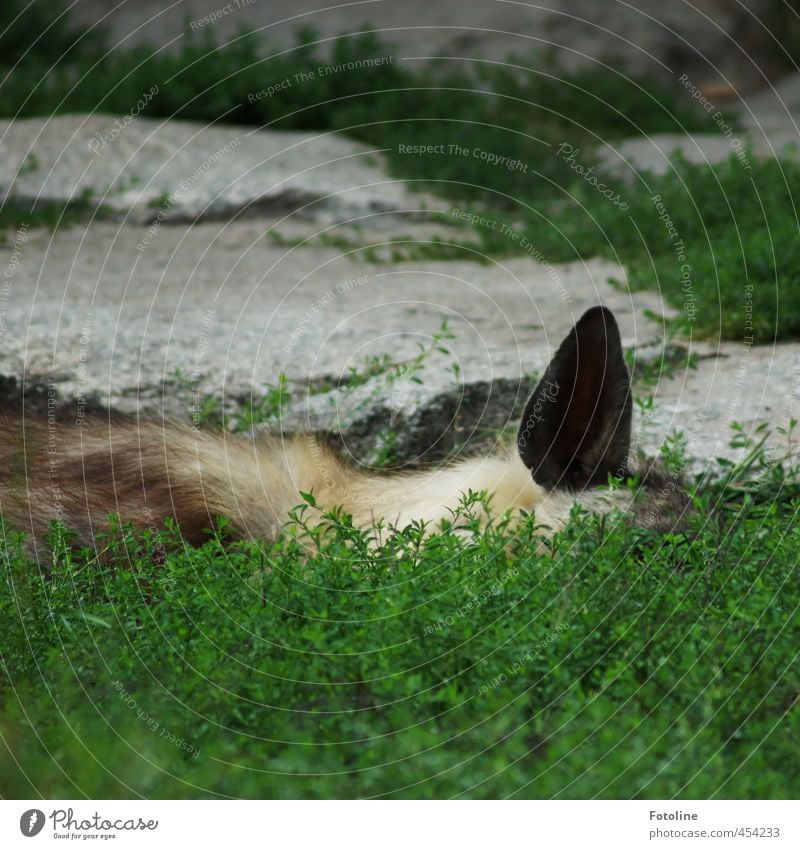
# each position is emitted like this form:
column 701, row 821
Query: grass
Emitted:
column 719, row 242
column 23, row 216
column 615, row 664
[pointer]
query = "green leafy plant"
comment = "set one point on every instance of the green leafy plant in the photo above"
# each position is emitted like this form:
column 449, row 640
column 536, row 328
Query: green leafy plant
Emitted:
column 613, row 663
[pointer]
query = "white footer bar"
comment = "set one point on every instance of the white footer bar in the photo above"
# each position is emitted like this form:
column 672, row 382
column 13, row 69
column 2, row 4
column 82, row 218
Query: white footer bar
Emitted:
column 402, row 824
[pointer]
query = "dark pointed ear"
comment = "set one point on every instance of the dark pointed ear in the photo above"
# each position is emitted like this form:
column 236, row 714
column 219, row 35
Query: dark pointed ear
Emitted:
column 576, row 429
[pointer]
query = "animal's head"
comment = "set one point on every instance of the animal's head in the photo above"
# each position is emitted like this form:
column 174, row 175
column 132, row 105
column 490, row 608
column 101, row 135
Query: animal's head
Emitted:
column 576, row 429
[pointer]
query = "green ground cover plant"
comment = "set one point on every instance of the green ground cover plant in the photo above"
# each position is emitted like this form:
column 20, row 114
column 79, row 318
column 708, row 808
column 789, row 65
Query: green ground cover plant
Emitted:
column 613, row 663
column 719, row 242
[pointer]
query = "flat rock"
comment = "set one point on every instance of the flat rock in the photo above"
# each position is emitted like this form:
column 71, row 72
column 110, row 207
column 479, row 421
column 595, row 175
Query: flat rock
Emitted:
column 735, row 385
column 223, row 301
column 773, row 109
column 760, row 125
column 105, row 320
column 152, row 171
column 217, row 309
column 655, row 154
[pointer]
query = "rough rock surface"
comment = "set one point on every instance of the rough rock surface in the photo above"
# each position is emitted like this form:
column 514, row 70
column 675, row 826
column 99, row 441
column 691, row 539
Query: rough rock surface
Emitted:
column 774, row 108
column 224, row 302
column 88, row 316
column 153, row 170
column 655, row 153
column 110, row 313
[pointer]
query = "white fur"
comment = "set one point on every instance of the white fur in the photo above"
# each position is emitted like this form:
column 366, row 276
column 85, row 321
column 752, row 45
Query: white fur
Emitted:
column 434, row 496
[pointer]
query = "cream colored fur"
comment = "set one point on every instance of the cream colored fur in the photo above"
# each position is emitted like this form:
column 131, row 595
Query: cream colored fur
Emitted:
column 148, row 471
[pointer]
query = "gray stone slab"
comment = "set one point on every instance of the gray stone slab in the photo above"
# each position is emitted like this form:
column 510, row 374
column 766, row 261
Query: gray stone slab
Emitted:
column 87, row 315
column 153, row 170
column 655, row 154
column 222, row 300
column 775, row 108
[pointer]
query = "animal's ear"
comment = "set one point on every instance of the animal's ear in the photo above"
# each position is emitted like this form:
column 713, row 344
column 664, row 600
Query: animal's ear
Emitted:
column 576, row 429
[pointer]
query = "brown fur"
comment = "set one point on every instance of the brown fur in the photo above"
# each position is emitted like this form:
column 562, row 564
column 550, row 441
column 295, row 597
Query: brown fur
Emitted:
column 148, row 471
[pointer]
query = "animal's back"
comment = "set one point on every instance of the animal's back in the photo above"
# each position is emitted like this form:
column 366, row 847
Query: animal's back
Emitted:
column 574, row 434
